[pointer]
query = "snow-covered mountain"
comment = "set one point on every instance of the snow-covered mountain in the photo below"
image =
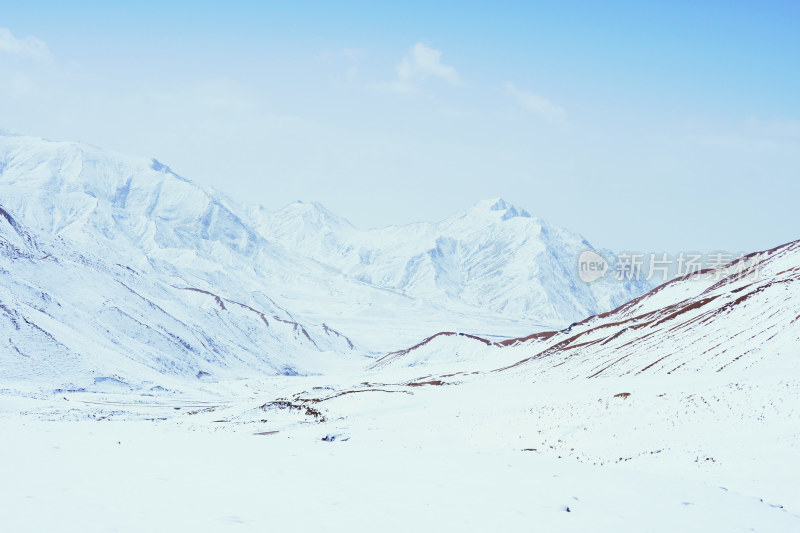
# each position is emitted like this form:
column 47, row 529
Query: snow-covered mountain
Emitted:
column 67, row 316
column 743, row 315
column 117, row 260
column 495, row 257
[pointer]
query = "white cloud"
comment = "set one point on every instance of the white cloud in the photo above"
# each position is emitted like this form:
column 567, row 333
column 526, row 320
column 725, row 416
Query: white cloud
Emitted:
column 536, row 104
column 423, row 62
column 31, row 47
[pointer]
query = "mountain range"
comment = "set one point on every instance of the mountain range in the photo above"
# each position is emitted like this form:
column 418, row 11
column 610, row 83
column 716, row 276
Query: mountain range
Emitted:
column 116, row 266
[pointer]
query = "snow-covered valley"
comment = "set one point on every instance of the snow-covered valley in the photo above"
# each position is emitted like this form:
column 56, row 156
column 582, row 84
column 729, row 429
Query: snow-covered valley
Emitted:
column 172, row 360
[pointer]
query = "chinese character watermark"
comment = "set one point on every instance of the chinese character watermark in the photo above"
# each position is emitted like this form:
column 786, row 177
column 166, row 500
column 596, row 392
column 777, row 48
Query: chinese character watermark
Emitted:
column 661, row 267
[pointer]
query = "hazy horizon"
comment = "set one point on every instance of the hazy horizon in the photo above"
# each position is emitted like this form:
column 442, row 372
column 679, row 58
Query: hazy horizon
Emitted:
column 651, row 127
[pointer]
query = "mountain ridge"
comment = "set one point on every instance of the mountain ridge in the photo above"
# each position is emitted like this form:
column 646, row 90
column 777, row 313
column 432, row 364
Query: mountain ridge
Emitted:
column 200, row 255
column 709, row 319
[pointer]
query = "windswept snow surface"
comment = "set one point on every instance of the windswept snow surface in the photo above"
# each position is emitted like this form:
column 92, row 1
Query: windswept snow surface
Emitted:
column 482, row 452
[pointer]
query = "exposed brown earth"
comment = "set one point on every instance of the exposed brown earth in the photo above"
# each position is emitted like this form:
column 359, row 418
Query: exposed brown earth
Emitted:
column 669, row 319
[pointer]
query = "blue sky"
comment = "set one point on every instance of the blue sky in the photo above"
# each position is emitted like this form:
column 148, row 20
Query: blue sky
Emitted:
column 642, row 125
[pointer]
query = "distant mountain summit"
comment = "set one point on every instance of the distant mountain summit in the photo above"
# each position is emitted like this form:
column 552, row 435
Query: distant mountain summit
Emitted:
column 494, row 256
column 494, row 208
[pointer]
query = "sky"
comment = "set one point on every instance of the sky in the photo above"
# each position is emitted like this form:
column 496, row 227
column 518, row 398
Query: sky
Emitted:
column 651, row 126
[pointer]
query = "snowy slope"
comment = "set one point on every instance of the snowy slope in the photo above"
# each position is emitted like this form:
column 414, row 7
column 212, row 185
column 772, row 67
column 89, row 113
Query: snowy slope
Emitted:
column 740, row 316
column 72, row 318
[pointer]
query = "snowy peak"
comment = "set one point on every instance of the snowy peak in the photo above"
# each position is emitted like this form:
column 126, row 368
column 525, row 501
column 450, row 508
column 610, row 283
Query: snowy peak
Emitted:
column 124, row 203
column 313, row 215
column 487, row 212
column 506, row 209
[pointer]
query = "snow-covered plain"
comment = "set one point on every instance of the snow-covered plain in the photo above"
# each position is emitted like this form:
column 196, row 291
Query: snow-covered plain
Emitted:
column 170, row 361
column 500, row 452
